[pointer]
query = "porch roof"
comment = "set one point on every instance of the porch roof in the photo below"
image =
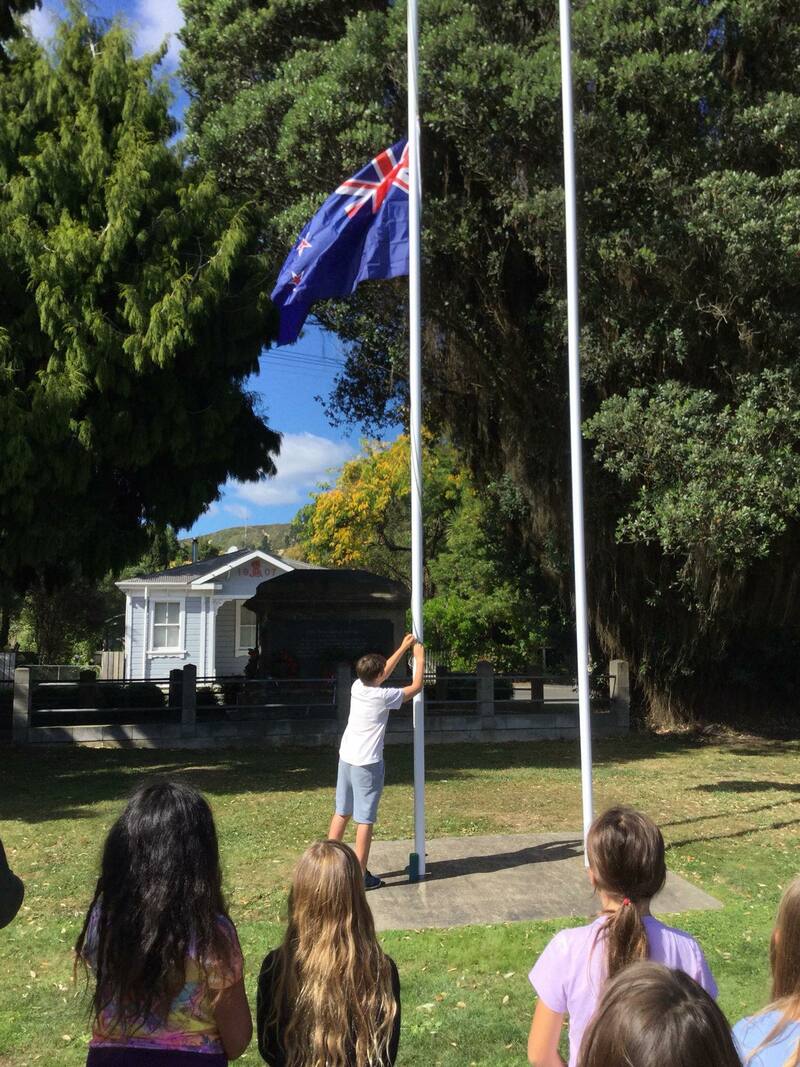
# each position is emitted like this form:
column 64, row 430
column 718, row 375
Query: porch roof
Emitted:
column 190, row 573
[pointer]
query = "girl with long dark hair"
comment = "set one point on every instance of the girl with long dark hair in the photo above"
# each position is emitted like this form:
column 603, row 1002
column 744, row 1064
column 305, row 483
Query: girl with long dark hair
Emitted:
column 328, row 996
column 157, row 939
column 626, row 869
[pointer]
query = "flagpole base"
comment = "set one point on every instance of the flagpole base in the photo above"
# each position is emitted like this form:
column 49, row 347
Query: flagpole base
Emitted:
column 413, row 867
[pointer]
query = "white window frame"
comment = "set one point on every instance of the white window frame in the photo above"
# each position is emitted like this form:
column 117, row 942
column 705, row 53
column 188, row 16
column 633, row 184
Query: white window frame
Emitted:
column 240, row 650
column 180, row 648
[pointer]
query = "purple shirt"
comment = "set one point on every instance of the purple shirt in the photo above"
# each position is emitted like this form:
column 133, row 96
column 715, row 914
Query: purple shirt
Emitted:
column 569, row 974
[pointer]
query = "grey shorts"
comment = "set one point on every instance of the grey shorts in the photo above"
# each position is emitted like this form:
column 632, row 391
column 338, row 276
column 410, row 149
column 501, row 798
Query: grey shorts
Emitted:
column 358, row 791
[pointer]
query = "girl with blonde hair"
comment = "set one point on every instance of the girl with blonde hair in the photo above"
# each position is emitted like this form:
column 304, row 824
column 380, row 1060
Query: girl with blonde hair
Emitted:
column 772, row 1037
column 328, row 996
column 626, row 868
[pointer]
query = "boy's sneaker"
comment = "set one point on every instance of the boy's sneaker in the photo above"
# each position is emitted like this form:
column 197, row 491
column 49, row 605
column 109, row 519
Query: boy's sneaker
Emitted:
column 371, row 881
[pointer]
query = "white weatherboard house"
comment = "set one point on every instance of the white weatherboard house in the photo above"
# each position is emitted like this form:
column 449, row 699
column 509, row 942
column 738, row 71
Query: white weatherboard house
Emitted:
column 195, row 614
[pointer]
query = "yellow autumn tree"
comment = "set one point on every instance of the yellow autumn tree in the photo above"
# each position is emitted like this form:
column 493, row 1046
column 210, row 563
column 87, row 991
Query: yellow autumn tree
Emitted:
column 364, row 520
column 483, row 597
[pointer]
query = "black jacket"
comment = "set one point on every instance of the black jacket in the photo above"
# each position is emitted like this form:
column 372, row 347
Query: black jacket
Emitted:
column 269, row 1040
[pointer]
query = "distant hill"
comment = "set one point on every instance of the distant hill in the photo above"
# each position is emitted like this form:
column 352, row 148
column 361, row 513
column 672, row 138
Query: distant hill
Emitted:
column 278, row 534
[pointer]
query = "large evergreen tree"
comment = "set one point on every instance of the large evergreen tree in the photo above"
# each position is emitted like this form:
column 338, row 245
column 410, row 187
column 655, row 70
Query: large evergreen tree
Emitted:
column 687, row 129
column 133, row 306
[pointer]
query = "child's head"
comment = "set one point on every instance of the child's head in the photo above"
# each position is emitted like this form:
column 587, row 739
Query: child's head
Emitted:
column 649, row 1016
column 328, row 892
column 159, row 891
column 333, row 982
column 626, row 854
column 785, row 947
column 370, row 668
column 164, row 838
column 626, row 861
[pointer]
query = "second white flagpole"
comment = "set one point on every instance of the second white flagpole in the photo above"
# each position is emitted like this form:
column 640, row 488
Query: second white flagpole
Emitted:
column 576, row 439
column 415, row 421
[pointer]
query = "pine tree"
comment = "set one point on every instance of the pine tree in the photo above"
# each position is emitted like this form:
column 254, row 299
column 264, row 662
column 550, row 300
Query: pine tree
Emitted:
column 133, row 307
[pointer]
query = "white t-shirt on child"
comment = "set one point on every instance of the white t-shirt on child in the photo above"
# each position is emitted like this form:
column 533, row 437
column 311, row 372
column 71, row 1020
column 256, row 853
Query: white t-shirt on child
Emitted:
column 362, row 741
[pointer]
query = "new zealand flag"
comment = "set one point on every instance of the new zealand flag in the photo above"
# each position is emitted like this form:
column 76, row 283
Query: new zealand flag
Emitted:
column 360, row 233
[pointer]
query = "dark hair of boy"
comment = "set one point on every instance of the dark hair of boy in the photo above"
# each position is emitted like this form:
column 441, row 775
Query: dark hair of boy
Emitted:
column 159, row 892
column 649, row 1016
column 626, row 855
column 370, row 667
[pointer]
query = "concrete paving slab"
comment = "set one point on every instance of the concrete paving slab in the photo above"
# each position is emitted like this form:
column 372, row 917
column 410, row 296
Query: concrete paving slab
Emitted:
column 496, row 879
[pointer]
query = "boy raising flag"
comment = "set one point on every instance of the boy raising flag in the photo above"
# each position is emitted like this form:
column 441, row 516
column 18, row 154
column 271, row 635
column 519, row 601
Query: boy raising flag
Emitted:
column 359, row 782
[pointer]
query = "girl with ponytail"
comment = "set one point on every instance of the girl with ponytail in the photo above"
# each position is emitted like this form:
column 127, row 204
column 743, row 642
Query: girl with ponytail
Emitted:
column 626, row 868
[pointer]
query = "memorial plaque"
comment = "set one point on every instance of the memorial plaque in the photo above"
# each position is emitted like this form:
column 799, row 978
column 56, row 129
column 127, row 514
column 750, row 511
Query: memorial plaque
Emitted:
column 317, row 645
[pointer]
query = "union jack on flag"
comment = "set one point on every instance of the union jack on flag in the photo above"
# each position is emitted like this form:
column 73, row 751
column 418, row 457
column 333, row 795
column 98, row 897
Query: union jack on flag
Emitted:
column 360, row 238
column 388, row 171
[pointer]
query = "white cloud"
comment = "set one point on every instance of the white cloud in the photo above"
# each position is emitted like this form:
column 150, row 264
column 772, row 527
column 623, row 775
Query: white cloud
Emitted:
column 305, row 461
column 239, row 511
column 153, row 20
column 41, row 21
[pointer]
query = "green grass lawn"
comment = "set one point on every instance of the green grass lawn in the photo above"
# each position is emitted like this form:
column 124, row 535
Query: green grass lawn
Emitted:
column 730, row 813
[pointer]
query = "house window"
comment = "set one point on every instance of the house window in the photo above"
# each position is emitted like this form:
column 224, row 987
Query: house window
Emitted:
column 245, row 630
column 166, row 625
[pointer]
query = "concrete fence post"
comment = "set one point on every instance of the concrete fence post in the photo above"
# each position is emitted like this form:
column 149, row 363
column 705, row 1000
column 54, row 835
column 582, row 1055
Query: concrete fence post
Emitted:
column 23, row 693
column 189, row 701
column 174, row 698
column 440, row 688
column 620, row 691
column 343, row 684
column 485, row 694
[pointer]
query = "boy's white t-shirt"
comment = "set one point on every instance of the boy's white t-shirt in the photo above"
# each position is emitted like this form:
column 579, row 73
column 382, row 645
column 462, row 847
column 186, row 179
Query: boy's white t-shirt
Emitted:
column 362, row 741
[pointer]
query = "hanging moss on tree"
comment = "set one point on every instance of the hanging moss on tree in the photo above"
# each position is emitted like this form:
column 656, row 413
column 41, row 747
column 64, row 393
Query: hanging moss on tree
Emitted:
column 687, row 121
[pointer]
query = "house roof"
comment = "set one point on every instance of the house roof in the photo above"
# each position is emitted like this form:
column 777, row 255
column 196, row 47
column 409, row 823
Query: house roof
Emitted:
column 189, row 573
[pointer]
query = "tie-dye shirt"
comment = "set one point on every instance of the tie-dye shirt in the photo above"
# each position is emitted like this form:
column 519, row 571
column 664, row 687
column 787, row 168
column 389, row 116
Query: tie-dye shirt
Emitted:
column 189, row 1025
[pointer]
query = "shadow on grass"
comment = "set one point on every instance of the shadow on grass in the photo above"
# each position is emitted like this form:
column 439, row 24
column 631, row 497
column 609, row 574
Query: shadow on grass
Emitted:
column 727, row 814
column 747, row 787
column 65, row 783
column 733, row 834
column 547, row 851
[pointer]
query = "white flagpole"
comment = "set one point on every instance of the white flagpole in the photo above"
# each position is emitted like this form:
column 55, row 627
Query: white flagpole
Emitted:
column 415, row 428
column 576, row 441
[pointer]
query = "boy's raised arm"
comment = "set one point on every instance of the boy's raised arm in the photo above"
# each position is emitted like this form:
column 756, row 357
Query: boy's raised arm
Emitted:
column 410, row 691
column 395, row 657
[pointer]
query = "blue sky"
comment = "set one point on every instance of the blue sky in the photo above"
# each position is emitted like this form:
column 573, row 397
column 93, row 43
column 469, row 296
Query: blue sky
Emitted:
column 290, row 377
